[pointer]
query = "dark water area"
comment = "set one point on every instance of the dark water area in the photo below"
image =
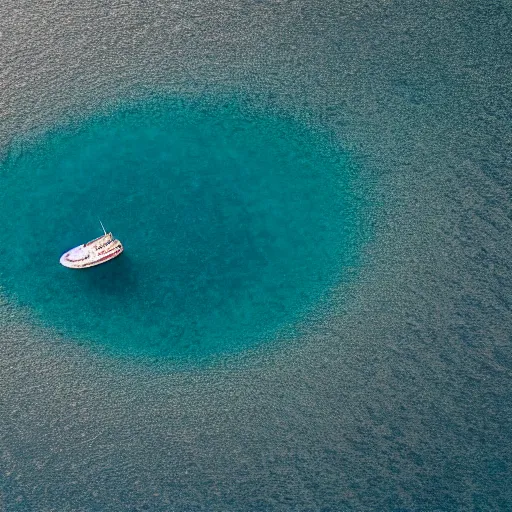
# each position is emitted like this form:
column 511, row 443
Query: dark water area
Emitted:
column 358, row 150
column 236, row 226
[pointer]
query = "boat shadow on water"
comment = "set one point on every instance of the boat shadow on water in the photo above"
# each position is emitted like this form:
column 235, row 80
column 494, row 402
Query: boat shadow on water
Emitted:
column 117, row 277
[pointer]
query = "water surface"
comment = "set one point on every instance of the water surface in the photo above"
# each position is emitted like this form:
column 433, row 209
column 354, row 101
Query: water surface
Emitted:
column 236, row 225
column 397, row 397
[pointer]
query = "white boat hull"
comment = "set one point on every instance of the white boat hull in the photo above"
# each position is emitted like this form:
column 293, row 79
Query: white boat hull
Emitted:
column 96, row 252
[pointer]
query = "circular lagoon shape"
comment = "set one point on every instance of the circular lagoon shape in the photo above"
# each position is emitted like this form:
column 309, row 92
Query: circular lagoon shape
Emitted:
column 236, row 226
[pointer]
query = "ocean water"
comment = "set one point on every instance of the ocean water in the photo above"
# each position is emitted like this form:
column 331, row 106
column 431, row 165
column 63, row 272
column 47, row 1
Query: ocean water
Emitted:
column 236, row 226
column 377, row 376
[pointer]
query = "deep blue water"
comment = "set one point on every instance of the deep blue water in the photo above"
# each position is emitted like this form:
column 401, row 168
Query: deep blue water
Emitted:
column 236, row 226
column 330, row 233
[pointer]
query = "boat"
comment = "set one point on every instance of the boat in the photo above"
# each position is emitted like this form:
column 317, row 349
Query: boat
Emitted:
column 97, row 251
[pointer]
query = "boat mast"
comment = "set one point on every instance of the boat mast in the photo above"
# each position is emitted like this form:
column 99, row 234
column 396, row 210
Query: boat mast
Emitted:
column 103, row 227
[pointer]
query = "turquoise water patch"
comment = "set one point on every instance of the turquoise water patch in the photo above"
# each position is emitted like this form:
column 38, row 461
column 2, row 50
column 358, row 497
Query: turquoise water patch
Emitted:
column 236, row 226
